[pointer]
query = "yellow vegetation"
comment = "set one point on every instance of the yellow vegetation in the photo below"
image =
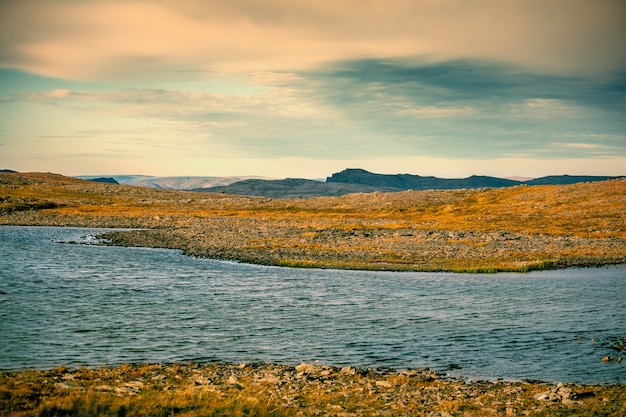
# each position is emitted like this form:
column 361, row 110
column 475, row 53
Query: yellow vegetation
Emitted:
column 517, row 228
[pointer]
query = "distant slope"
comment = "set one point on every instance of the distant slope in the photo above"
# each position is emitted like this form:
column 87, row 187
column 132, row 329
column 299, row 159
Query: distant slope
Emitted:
column 292, row 188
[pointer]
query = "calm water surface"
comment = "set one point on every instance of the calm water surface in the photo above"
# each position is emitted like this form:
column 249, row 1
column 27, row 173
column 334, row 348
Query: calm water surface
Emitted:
column 89, row 305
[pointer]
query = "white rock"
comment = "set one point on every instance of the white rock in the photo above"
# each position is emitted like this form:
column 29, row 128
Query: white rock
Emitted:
column 305, row 367
column 348, row 370
column 542, row 396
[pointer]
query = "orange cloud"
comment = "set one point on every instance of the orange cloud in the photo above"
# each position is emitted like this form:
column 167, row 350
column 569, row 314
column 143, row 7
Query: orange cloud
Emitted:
column 104, row 39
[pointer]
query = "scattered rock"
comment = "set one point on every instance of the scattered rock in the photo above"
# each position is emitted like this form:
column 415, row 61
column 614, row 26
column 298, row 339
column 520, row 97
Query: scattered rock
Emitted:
column 325, row 390
column 347, row 370
column 305, row 368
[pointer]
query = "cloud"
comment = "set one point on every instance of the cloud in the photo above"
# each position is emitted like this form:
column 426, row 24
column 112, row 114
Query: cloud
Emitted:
column 119, row 39
column 583, row 145
column 354, row 109
column 434, row 111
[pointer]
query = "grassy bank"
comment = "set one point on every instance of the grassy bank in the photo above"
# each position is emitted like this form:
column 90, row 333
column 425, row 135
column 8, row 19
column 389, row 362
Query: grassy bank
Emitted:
column 488, row 230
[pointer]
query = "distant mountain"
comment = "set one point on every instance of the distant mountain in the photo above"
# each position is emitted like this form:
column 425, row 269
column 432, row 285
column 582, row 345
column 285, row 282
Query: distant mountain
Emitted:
column 416, row 182
column 361, row 181
column 567, row 179
column 171, row 183
column 107, row 180
column 7, row 170
column 352, row 180
column 293, row 188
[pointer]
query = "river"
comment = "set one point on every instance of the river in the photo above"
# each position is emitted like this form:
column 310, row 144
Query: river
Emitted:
column 64, row 300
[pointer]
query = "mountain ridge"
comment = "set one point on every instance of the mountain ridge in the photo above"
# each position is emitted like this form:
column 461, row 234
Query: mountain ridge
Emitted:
column 357, row 180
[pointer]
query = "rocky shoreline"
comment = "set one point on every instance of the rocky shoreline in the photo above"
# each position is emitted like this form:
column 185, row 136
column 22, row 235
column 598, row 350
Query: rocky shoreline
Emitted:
column 304, row 390
column 484, row 230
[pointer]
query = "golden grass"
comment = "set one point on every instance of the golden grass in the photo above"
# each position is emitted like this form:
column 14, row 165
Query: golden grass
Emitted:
column 379, row 226
column 194, row 390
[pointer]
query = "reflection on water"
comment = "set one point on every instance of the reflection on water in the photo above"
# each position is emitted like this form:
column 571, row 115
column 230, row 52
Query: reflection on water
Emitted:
column 91, row 305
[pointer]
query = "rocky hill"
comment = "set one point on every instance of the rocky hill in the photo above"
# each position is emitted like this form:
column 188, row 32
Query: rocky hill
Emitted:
column 416, row 182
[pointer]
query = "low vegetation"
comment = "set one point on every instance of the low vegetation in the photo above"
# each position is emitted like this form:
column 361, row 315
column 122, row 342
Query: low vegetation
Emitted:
column 519, row 228
column 215, row 389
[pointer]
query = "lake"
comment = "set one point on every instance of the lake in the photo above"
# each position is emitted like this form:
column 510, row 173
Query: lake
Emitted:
column 65, row 300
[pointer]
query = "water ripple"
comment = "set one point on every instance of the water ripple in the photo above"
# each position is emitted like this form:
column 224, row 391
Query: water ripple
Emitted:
column 91, row 305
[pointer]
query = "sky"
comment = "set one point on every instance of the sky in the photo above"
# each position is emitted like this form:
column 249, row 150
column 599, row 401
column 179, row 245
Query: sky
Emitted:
column 305, row 88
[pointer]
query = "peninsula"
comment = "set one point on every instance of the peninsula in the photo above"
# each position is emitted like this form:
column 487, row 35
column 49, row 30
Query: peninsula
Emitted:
column 519, row 228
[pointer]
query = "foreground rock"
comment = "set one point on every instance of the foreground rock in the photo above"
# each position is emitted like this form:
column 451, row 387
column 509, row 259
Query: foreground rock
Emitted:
column 307, row 389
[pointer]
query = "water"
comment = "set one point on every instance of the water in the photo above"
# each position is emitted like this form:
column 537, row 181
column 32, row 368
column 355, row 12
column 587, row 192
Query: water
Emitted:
column 88, row 305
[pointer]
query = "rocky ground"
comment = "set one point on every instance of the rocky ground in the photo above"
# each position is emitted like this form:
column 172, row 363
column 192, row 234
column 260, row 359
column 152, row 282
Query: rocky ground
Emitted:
column 518, row 228
column 306, row 390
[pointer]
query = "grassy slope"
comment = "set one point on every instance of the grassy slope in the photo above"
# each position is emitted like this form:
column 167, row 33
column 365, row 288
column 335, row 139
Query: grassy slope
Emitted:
column 518, row 228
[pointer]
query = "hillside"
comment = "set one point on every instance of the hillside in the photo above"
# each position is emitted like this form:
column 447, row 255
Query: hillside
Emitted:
column 515, row 228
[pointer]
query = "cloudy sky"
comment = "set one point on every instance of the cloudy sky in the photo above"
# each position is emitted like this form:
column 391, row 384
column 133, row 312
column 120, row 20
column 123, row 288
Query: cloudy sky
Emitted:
column 305, row 88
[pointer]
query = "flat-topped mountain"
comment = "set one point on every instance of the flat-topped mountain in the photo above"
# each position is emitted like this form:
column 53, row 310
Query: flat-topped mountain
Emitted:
column 416, row 182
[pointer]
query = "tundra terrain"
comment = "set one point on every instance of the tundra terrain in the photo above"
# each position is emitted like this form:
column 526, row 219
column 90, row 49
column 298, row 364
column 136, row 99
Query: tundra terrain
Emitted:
column 479, row 230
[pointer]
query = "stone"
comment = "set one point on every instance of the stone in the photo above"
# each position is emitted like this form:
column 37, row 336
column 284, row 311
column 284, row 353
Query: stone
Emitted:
column 104, row 388
column 270, row 379
column 383, row 384
column 202, row 381
column 305, row 367
column 566, row 393
column 542, row 396
column 347, row 370
column 136, row 385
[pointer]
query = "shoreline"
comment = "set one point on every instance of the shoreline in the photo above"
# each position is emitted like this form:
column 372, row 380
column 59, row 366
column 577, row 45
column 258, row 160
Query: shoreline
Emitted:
column 136, row 237
column 305, row 389
column 515, row 229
